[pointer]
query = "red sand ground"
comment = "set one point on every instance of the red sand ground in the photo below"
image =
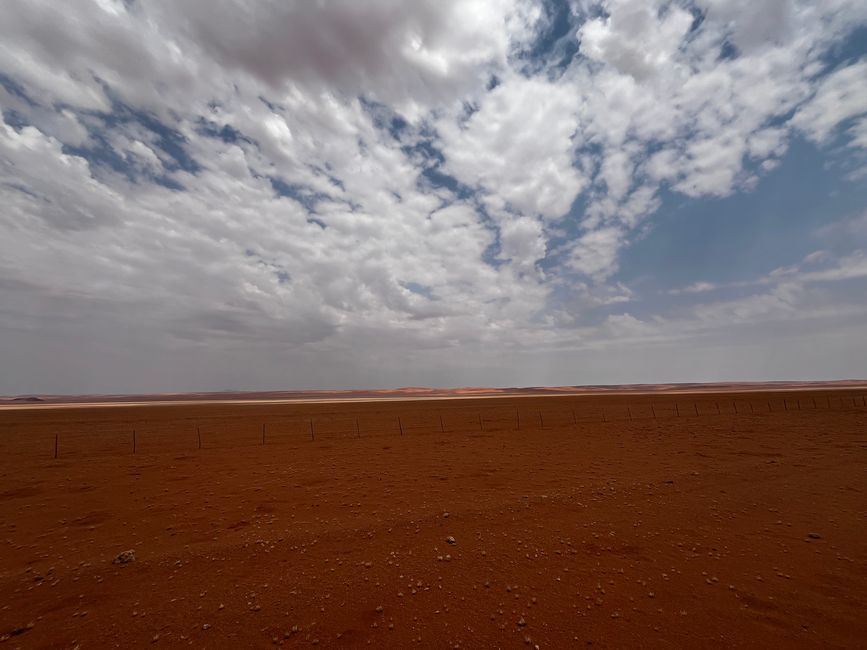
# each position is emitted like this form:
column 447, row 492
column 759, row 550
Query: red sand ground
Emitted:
column 687, row 525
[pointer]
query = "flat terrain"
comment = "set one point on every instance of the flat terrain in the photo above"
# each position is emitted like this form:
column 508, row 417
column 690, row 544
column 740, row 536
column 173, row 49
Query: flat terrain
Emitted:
column 616, row 520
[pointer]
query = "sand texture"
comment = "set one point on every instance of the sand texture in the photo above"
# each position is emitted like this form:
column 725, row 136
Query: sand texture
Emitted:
column 728, row 519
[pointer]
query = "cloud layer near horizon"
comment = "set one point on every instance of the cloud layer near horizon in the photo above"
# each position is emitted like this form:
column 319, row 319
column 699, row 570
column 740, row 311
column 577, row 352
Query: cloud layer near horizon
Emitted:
column 227, row 194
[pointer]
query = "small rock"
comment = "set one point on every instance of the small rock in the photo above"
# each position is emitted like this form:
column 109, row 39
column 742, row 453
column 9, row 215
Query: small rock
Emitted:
column 124, row 558
column 22, row 629
column 814, row 536
column 450, row 540
column 445, row 515
column 206, row 626
column 379, row 608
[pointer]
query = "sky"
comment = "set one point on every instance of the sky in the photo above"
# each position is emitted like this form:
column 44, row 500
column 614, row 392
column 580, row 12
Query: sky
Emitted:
column 298, row 194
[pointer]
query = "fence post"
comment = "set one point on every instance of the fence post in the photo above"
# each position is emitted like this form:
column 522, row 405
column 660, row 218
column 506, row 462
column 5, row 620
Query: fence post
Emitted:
column 751, row 407
column 695, row 406
column 799, row 403
column 676, row 409
column 629, row 412
column 480, row 422
column 518, row 418
column 263, row 434
column 199, row 434
column 735, row 405
column 653, row 410
column 442, row 428
column 785, row 404
column 718, row 412
column 312, row 433
column 56, row 439
column 541, row 422
column 357, row 429
column 603, row 416
column 133, row 441
column 400, row 424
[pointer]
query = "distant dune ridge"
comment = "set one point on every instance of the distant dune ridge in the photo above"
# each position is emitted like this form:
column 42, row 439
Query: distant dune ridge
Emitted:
column 422, row 392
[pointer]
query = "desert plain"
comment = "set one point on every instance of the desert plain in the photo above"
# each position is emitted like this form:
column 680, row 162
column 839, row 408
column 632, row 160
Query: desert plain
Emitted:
column 726, row 518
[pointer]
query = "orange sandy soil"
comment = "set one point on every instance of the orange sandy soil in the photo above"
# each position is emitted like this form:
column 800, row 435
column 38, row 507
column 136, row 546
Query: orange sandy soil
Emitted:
column 743, row 525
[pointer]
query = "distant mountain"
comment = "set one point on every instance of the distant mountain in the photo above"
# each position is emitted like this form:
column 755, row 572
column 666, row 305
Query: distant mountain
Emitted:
column 422, row 392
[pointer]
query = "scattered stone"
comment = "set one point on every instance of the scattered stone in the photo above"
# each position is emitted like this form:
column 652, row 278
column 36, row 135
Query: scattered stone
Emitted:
column 379, row 608
column 124, row 558
column 22, row 629
column 814, row 536
column 206, row 626
column 445, row 515
column 451, row 540
column 522, row 622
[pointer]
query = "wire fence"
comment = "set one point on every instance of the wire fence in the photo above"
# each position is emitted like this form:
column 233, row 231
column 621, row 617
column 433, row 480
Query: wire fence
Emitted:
column 64, row 438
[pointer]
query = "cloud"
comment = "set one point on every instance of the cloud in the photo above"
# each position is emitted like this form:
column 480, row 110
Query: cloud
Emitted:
column 839, row 97
column 522, row 242
column 517, row 148
column 695, row 287
column 595, row 253
column 328, row 181
column 40, row 181
column 636, row 38
column 700, row 107
column 403, row 53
